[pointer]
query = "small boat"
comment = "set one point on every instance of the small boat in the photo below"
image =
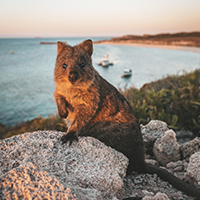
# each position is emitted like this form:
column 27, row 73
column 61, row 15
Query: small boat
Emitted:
column 105, row 61
column 127, row 73
column 11, row 52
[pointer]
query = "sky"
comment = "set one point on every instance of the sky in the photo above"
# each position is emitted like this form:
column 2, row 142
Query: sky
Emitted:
column 97, row 18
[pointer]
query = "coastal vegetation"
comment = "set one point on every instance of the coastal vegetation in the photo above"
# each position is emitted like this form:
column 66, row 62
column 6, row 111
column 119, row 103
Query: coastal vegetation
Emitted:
column 173, row 99
column 52, row 122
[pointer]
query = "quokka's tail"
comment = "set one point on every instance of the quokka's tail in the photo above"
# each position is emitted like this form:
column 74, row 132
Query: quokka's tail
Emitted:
column 177, row 183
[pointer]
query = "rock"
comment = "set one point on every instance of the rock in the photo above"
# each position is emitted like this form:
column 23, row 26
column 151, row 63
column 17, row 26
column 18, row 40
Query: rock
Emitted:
column 166, row 148
column 189, row 148
column 147, row 193
column 151, row 131
column 141, row 185
column 155, row 128
column 26, row 182
column 193, row 170
column 158, row 196
column 178, row 169
column 152, row 162
column 89, row 168
column 179, row 166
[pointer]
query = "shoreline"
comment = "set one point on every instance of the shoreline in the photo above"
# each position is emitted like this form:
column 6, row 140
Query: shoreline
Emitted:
column 171, row 47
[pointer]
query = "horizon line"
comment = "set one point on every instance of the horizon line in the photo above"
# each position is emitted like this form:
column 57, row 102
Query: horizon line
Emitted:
column 88, row 36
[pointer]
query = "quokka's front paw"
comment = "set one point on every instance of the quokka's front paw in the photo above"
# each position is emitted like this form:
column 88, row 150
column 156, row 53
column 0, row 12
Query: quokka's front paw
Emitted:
column 70, row 136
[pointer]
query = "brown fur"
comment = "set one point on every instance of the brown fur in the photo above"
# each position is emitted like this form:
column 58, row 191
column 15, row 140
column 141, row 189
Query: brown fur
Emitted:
column 95, row 108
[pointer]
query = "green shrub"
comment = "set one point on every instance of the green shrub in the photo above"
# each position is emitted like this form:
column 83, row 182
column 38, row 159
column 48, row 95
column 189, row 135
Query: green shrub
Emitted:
column 174, row 99
column 53, row 122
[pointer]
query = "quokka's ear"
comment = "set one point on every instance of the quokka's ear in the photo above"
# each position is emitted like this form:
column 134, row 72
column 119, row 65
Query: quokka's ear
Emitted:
column 60, row 46
column 88, row 46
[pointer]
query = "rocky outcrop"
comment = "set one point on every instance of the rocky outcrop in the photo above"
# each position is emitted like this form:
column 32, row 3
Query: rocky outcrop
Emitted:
column 88, row 168
column 38, row 165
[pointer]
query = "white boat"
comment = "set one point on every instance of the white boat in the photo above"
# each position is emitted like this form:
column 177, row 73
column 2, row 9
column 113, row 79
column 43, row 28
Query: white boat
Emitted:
column 105, row 61
column 127, row 73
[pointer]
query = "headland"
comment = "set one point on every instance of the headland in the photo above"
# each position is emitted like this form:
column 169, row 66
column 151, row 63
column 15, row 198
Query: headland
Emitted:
column 177, row 41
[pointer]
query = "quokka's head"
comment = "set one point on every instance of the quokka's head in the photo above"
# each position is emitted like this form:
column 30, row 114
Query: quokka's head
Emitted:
column 74, row 64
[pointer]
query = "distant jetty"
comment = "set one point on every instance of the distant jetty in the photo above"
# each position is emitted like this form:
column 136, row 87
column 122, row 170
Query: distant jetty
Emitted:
column 48, row 42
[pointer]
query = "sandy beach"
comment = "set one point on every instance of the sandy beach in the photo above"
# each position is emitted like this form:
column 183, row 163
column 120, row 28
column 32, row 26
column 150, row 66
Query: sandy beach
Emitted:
column 172, row 47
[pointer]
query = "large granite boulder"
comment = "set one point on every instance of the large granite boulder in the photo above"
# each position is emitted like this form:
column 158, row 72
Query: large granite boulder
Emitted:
column 87, row 169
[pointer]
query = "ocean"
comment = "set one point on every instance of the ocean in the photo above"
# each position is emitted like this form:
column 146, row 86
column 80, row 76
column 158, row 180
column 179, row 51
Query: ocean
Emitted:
column 26, row 76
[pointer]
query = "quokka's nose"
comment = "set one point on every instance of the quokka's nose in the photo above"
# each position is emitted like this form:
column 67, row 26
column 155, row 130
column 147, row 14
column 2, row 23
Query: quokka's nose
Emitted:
column 73, row 76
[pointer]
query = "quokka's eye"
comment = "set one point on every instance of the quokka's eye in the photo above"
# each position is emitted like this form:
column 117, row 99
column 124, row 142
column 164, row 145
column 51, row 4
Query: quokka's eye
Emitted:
column 82, row 64
column 64, row 66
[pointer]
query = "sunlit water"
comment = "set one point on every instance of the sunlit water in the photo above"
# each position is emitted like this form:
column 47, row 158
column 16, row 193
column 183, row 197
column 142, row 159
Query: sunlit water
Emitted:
column 26, row 76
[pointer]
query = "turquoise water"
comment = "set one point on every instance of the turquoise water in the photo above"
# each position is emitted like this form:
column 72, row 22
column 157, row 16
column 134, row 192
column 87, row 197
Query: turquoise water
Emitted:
column 26, row 76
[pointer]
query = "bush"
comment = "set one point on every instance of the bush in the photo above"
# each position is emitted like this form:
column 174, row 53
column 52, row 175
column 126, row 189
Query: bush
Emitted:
column 174, row 99
column 53, row 122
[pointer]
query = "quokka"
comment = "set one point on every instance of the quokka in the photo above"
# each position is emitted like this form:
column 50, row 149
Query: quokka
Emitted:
column 95, row 108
